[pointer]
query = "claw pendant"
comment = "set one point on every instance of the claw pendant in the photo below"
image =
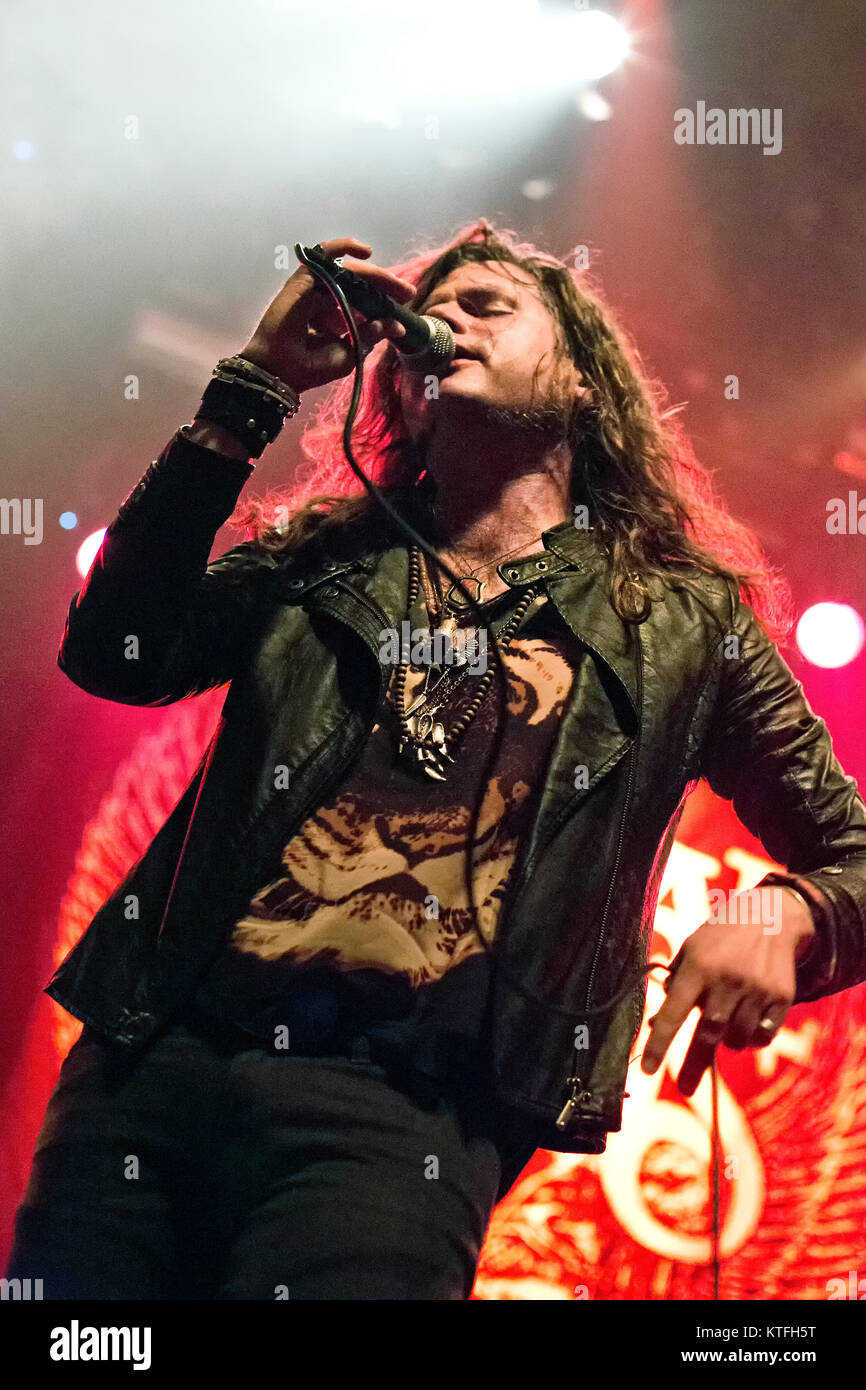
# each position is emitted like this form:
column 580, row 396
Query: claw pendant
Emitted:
column 428, row 754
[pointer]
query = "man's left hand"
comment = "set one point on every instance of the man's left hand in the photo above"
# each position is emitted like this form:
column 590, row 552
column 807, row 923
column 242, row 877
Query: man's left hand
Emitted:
column 740, row 973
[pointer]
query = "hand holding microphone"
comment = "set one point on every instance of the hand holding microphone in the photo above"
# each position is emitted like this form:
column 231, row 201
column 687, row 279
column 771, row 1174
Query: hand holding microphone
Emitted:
column 427, row 345
column 302, row 337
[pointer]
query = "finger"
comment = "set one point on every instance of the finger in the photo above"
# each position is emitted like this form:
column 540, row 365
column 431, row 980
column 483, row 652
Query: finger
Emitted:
column 717, row 1009
column 743, row 1023
column 698, row 1057
column 370, row 331
column 337, row 354
column 326, row 327
column 346, row 246
column 331, row 356
column 683, row 995
column 374, row 331
column 370, row 334
column 382, row 279
column 743, row 1029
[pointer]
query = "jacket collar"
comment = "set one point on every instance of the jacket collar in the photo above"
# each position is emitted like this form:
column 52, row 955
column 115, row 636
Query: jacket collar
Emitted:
column 572, row 565
column 577, row 585
column 576, row 580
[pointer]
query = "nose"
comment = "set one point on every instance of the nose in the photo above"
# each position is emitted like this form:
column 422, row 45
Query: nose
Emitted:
column 452, row 314
column 461, row 326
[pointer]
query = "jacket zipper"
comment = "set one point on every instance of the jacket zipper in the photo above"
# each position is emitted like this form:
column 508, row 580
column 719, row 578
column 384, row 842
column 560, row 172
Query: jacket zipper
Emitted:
column 368, row 603
column 613, row 877
column 625, row 810
column 578, row 1094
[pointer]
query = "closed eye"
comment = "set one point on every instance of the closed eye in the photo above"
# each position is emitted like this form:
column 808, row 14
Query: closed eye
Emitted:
column 482, row 304
column 477, row 302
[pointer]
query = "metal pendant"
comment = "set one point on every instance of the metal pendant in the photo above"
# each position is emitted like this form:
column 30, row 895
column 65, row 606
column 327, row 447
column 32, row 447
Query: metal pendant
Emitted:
column 425, row 728
column 426, row 751
column 456, row 600
column 452, row 654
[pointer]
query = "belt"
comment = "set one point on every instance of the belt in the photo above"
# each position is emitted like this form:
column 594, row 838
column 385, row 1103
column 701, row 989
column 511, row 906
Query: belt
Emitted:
column 318, row 1014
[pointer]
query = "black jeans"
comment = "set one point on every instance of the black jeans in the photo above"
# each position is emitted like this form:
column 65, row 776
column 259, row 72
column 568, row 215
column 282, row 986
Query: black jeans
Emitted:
column 216, row 1169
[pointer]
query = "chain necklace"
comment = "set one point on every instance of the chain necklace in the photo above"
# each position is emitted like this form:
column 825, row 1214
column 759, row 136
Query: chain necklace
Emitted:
column 423, row 741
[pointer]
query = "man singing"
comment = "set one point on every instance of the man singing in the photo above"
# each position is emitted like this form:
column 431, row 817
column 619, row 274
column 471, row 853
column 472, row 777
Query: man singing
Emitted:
column 308, row 1070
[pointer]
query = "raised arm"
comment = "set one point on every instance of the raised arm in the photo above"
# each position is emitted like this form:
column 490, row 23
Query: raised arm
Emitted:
column 153, row 622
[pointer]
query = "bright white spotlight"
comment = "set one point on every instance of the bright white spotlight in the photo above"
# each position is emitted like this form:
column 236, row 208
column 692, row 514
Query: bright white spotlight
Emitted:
column 87, row 551
column 368, row 112
column 830, row 634
column 598, row 44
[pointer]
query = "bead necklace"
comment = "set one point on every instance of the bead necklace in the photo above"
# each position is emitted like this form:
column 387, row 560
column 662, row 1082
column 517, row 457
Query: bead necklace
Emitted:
column 423, row 741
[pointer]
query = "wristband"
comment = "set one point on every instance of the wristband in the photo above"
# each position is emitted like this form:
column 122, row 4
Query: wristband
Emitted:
column 252, row 413
column 798, row 894
column 251, row 371
column 820, row 909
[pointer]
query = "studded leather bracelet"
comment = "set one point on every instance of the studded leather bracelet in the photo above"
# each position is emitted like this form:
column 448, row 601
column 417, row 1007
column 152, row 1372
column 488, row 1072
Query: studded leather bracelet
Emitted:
column 247, row 401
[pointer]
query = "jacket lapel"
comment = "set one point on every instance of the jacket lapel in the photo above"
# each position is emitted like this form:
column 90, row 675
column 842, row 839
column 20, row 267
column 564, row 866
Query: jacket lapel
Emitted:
column 601, row 715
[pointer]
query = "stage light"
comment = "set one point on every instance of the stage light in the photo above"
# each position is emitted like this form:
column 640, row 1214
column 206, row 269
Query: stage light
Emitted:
column 593, row 106
column 68, row 520
column 537, row 189
column 830, row 634
column 368, row 112
column 87, row 551
column 511, row 58
column 598, row 44
column 848, row 462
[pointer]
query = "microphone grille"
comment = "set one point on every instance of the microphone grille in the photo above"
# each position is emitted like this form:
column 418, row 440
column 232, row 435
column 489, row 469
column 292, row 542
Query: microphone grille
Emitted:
column 438, row 351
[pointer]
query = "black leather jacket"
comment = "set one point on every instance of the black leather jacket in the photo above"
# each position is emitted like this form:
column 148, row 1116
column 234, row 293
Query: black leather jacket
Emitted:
column 653, row 708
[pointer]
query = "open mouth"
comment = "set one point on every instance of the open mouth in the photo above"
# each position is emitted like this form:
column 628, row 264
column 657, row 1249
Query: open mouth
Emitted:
column 460, row 356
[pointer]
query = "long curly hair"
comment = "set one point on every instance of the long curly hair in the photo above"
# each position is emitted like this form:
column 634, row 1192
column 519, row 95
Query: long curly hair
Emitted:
column 653, row 505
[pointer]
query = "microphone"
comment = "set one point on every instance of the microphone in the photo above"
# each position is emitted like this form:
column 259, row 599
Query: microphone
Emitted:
column 429, row 343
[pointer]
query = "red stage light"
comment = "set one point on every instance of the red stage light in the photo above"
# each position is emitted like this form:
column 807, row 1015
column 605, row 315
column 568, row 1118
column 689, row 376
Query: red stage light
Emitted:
column 87, row 551
column 830, row 634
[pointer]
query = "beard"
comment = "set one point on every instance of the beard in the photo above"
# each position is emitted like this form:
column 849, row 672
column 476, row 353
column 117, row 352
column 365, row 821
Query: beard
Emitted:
column 553, row 420
column 550, row 419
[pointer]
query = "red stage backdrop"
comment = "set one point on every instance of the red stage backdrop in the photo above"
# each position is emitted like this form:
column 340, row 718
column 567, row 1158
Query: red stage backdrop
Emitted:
column 634, row 1222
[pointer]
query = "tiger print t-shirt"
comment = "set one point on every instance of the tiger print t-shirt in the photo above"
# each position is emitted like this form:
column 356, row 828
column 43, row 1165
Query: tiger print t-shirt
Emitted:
column 372, row 884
